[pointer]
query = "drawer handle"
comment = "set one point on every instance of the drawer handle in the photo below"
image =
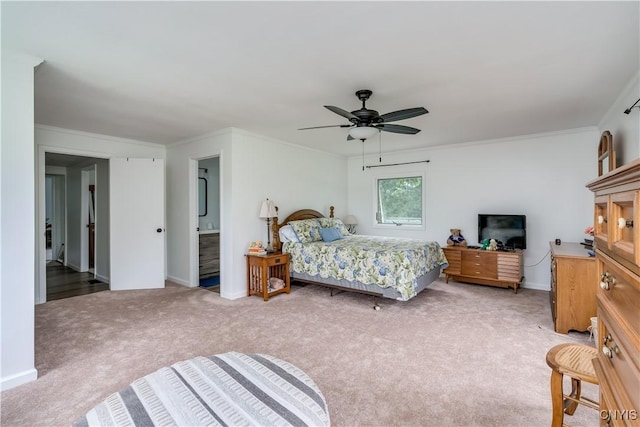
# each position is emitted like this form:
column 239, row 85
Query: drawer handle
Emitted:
column 607, row 281
column 277, row 259
column 609, row 351
column 602, row 219
column 623, row 222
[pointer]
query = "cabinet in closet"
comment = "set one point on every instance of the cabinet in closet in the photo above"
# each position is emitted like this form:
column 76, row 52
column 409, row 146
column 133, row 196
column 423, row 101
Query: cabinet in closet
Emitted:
column 209, row 255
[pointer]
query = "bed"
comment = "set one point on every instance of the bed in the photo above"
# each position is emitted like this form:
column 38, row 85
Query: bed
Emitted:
column 396, row 268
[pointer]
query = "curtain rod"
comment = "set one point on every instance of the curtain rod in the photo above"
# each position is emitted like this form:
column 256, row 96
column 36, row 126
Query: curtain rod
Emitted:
column 397, row 164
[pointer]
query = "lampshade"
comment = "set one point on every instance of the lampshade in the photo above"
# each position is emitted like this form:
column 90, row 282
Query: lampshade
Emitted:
column 350, row 220
column 268, row 209
column 363, row 132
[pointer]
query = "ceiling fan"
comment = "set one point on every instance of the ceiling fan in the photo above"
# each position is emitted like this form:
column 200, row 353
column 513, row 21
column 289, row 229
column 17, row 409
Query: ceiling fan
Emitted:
column 366, row 123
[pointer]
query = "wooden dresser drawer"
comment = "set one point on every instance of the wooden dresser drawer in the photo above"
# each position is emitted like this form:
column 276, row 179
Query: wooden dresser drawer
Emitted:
column 614, row 406
column 618, row 360
column 480, row 264
column 620, row 294
column 454, row 258
column 509, row 266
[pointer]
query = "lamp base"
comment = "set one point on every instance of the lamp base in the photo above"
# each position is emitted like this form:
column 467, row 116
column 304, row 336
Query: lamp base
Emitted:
column 269, row 245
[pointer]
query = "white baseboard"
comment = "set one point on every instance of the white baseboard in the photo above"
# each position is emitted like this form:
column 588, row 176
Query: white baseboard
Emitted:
column 18, row 379
column 73, row 266
column 236, row 295
column 536, row 286
column 179, row 281
column 102, row 278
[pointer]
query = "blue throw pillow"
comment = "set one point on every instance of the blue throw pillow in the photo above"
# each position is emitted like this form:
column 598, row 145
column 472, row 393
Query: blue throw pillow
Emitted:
column 330, row 234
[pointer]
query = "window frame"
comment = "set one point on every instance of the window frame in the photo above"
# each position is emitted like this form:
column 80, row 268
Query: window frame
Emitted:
column 399, row 175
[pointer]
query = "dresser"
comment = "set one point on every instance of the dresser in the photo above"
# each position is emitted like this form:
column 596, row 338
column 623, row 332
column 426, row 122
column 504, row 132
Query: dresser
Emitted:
column 617, row 242
column 209, row 257
column 573, row 287
column 493, row 268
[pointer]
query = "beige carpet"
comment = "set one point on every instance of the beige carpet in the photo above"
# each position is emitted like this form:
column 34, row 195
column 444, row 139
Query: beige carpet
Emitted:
column 457, row 354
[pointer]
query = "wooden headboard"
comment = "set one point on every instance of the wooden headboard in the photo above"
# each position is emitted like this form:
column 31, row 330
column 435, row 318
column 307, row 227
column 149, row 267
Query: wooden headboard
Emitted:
column 295, row 216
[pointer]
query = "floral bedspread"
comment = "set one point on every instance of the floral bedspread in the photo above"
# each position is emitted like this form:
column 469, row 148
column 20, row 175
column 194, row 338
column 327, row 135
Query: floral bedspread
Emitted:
column 383, row 261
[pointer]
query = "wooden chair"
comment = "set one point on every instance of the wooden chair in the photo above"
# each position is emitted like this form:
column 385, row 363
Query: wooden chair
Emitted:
column 575, row 361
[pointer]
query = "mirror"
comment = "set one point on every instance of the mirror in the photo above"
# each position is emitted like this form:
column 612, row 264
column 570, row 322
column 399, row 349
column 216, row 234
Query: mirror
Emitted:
column 606, row 155
column 202, row 197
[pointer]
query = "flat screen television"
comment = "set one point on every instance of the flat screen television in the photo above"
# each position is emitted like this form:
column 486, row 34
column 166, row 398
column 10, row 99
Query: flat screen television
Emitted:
column 509, row 230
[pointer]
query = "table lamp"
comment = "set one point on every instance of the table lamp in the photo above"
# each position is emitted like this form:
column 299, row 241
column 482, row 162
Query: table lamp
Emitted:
column 268, row 211
column 351, row 223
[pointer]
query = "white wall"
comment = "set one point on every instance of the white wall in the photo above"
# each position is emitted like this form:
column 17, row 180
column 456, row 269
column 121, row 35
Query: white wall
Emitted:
column 181, row 201
column 625, row 128
column 252, row 168
column 17, row 365
column 542, row 177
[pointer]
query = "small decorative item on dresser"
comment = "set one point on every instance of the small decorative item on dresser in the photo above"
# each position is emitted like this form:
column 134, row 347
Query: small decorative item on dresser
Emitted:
column 267, row 273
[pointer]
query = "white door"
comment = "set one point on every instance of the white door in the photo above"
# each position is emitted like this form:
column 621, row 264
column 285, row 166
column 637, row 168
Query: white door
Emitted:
column 137, row 223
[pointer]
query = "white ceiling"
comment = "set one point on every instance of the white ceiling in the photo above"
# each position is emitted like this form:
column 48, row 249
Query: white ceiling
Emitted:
column 168, row 71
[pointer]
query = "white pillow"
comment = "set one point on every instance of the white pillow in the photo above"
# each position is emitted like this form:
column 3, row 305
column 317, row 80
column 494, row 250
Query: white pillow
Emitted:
column 287, row 234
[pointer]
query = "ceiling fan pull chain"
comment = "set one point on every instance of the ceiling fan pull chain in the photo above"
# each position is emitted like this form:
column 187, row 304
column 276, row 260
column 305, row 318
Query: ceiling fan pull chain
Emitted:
column 380, row 147
column 363, row 155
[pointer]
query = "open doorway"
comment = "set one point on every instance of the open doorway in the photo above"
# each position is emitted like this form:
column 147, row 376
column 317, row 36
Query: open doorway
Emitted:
column 76, row 215
column 208, row 195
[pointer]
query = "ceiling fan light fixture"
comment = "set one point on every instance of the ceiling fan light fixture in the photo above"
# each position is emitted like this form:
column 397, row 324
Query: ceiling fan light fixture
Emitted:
column 363, row 132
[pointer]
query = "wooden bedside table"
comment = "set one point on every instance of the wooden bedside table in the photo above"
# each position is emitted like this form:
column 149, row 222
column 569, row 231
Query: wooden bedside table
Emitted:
column 261, row 267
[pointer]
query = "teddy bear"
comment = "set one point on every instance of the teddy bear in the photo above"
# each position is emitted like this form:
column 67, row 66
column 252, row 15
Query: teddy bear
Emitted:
column 456, row 239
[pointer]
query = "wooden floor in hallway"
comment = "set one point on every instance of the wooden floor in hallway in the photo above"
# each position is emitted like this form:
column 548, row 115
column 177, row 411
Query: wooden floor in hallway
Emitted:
column 65, row 282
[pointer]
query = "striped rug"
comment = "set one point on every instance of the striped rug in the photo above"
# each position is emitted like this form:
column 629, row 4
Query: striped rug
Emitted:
column 230, row 389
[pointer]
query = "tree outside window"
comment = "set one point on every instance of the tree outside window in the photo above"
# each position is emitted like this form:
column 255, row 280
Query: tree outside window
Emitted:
column 400, row 201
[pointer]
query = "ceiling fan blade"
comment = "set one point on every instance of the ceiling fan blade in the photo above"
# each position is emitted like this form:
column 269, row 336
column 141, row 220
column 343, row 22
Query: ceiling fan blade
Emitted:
column 397, row 128
column 403, row 114
column 330, row 126
column 341, row 112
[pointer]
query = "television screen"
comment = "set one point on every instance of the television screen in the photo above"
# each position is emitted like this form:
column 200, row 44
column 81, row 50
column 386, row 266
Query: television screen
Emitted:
column 509, row 230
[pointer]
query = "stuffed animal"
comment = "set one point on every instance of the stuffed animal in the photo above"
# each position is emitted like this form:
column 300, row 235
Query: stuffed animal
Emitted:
column 456, row 239
column 493, row 245
column 485, row 244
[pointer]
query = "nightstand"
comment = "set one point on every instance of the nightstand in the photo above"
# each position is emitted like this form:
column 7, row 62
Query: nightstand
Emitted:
column 262, row 267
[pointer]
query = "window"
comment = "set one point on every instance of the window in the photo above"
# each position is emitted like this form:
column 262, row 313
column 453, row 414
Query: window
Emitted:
column 400, row 200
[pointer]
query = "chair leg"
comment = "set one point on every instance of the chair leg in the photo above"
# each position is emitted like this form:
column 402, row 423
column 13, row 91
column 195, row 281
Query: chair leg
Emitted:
column 576, row 391
column 556, row 399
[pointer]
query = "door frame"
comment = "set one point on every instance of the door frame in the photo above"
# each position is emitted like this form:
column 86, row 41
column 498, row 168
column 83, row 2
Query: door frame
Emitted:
column 40, row 282
column 194, row 235
column 84, row 229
